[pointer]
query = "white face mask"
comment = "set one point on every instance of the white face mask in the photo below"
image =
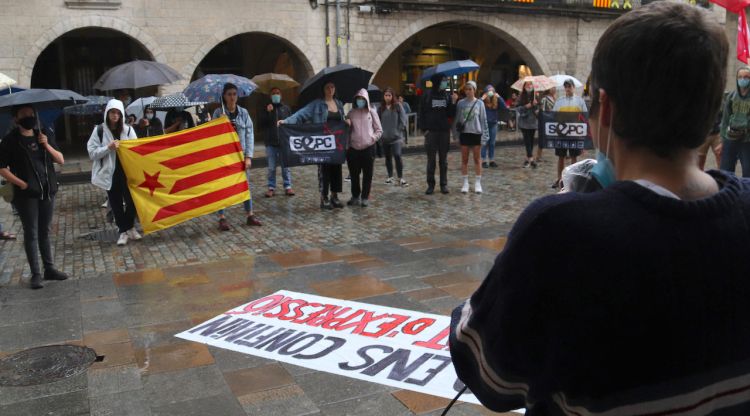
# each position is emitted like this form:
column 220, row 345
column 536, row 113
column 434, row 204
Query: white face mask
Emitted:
column 149, row 116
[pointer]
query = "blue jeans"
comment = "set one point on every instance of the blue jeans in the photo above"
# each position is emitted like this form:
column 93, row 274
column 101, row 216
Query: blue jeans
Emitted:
column 273, row 153
column 248, row 205
column 488, row 150
column 733, row 150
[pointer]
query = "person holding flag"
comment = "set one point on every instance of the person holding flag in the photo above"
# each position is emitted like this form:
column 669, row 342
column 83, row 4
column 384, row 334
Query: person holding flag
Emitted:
column 243, row 125
column 107, row 172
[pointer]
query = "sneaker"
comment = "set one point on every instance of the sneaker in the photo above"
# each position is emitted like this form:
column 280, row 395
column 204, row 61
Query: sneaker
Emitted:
column 133, row 234
column 485, row 165
column 289, row 192
column 269, row 193
column 533, row 165
column 336, row 203
column 403, row 182
column 353, row 201
column 54, row 274
column 465, row 188
column 430, row 190
column 365, row 203
column 36, row 281
column 389, row 181
column 526, row 164
column 478, row 187
column 325, row 203
column 251, row 220
column 493, row 164
column 123, row 239
column 348, row 178
column 105, row 204
column 223, row 224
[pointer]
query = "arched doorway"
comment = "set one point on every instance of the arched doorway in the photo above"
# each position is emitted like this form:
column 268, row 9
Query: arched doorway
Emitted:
column 254, row 53
column 499, row 60
column 75, row 61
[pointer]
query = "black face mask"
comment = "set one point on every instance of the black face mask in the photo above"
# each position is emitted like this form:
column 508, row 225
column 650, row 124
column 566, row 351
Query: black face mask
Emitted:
column 27, row 122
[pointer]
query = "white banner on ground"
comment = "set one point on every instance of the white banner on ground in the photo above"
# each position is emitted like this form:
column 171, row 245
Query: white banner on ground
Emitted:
column 395, row 347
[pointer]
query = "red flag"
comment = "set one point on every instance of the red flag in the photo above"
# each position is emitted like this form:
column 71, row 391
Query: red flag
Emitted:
column 743, row 41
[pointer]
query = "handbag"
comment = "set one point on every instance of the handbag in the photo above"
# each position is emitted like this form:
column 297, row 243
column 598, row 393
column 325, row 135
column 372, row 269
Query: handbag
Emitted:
column 460, row 126
column 6, row 191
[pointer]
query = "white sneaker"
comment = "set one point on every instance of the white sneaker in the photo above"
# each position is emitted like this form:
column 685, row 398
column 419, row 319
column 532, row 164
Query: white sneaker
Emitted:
column 478, row 187
column 123, row 239
column 389, row 180
column 133, row 234
column 403, row 182
column 465, row 188
column 105, row 204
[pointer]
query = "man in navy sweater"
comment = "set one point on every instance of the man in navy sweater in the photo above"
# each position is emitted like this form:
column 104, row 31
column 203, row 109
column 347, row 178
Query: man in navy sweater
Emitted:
column 640, row 301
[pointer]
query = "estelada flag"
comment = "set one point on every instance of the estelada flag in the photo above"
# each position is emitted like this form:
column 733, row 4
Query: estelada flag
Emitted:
column 183, row 175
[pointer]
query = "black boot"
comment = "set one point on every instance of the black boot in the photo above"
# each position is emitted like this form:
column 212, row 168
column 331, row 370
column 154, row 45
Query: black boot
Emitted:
column 36, row 281
column 444, row 189
column 54, row 274
column 430, row 190
column 335, row 201
column 325, row 203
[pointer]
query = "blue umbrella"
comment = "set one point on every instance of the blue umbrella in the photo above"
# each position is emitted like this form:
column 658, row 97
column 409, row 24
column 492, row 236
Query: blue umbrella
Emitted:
column 450, row 68
column 209, row 87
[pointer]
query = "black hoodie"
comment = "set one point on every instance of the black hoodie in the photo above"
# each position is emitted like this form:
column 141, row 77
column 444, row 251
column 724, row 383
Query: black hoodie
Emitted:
column 435, row 109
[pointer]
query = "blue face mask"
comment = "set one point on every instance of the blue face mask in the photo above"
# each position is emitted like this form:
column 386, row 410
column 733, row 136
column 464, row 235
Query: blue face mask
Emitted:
column 276, row 99
column 443, row 85
column 361, row 103
column 743, row 82
column 604, row 170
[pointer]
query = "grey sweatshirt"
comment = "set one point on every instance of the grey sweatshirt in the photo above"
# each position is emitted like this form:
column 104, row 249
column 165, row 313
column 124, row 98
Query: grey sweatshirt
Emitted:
column 477, row 118
column 394, row 124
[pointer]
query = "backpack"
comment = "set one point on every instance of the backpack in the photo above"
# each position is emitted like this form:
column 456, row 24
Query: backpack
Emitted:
column 100, row 132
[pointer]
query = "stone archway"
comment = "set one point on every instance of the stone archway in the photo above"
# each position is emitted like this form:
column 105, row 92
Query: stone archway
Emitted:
column 104, row 22
column 501, row 28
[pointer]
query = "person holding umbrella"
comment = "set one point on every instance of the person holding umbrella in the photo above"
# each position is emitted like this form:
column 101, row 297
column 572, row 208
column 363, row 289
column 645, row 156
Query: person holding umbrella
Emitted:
column 27, row 158
column 276, row 110
column 149, row 125
column 319, row 111
column 437, row 107
column 243, row 125
column 107, row 172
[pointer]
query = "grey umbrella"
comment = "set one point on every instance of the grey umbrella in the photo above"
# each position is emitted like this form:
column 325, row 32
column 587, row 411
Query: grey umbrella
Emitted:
column 174, row 100
column 95, row 105
column 42, row 99
column 137, row 74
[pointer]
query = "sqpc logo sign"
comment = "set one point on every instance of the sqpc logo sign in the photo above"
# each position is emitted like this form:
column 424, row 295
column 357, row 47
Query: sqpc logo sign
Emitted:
column 562, row 129
column 312, row 143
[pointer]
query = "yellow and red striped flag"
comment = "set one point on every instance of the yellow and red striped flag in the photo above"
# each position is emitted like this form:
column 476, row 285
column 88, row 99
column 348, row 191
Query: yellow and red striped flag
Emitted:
column 179, row 176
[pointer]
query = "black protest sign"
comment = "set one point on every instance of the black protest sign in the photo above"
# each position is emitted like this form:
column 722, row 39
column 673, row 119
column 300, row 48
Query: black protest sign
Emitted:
column 564, row 130
column 310, row 144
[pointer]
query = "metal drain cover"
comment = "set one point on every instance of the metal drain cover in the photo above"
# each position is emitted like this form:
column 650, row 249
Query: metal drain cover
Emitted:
column 44, row 365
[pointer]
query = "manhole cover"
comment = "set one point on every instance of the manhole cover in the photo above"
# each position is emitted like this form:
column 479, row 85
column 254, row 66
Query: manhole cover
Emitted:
column 104, row 236
column 44, row 364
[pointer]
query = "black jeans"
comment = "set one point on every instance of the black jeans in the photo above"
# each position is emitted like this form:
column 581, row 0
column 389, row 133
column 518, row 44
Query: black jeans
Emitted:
column 437, row 142
column 36, row 218
column 528, row 141
column 393, row 151
column 361, row 161
column 117, row 194
column 330, row 179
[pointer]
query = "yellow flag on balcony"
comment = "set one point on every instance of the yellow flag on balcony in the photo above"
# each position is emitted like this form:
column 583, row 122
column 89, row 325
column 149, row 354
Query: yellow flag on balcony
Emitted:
column 179, row 176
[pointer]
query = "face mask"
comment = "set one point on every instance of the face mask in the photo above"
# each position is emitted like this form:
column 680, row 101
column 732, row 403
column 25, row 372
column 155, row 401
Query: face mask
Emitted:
column 126, row 101
column 604, row 170
column 743, row 82
column 149, row 116
column 276, row 99
column 491, row 94
column 443, row 85
column 529, row 89
column 361, row 103
column 27, row 122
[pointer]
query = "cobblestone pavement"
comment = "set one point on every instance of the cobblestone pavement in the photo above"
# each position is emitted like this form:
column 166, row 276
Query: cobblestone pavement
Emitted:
column 290, row 223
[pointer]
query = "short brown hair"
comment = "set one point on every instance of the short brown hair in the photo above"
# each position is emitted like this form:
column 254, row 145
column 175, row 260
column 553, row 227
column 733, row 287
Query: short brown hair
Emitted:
column 664, row 68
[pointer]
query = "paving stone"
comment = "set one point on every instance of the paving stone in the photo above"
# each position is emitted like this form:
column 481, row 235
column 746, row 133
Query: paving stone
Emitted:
column 180, row 386
column 252, row 380
column 68, row 404
column 420, row 403
column 227, row 360
column 35, row 334
column 15, row 314
column 325, row 388
column 284, row 401
column 171, row 357
column 407, row 284
column 157, row 335
column 375, row 405
column 9, row 395
column 129, row 403
column 225, row 405
column 353, row 287
column 106, row 381
column 396, row 300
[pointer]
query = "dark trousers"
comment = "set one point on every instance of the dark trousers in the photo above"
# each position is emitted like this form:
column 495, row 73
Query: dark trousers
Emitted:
column 36, row 218
column 119, row 194
column 330, row 179
column 361, row 161
column 528, row 141
column 437, row 144
column 732, row 151
column 393, row 151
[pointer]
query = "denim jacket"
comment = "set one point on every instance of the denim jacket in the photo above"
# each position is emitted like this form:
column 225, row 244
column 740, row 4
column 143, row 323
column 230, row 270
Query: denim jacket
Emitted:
column 244, row 128
column 315, row 112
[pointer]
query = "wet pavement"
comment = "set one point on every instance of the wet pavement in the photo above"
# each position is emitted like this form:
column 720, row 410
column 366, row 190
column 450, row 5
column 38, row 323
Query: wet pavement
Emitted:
column 407, row 250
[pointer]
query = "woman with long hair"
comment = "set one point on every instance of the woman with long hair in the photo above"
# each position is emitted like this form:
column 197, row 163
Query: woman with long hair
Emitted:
column 393, row 120
column 528, row 106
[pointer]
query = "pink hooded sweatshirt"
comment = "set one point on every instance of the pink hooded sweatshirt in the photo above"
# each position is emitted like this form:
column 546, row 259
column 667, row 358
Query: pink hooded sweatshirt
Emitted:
column 366, row 128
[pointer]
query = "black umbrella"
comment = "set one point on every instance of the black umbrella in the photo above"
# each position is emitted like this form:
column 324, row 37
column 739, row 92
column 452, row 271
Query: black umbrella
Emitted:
column 376, row 96
column 95, row 105
column 42, row 99
column 137, row 74
column 347, row 78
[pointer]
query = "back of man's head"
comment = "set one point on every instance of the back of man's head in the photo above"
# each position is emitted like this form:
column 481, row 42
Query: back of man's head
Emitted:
column 664, row 68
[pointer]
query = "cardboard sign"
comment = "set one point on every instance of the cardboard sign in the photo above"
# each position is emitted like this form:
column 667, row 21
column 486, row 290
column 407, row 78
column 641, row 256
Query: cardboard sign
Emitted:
column 395, row 347
column 309, row 144
column 565, row 130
